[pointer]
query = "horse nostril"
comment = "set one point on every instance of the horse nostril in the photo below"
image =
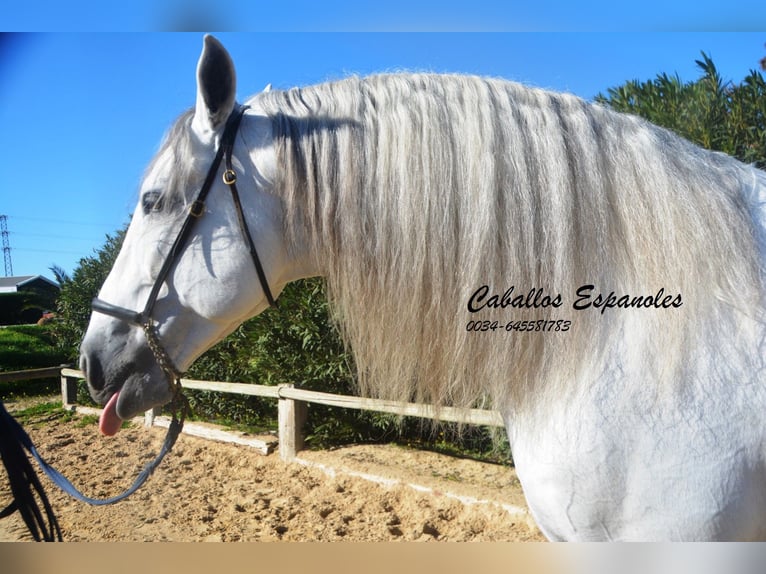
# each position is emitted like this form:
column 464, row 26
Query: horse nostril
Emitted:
column 93, row 372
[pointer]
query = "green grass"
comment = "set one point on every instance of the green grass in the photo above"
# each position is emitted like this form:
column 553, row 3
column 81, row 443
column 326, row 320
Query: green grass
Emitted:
column 39, row 409
column 43, row 413
column 499, row 453
column 28, row 347
column 53, row 411
column 88, row 420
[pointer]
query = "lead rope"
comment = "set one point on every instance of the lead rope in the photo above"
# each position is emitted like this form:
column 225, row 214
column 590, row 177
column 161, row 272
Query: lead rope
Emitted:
column 25, row 484
column 23, row 479
column 15, row 438
column 180, row 406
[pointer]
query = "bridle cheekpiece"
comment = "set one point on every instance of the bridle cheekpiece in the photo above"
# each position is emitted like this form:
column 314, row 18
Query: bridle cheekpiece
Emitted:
column 144, row 319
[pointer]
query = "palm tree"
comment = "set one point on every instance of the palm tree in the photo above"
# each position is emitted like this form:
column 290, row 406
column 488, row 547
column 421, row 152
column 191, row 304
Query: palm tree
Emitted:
column 60, row 274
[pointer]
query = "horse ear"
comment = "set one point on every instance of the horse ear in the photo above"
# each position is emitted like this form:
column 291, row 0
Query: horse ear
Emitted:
column 216, row 85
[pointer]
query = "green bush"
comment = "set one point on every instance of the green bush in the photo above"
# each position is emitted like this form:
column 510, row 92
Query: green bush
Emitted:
column 77, row 292
column 713, row 113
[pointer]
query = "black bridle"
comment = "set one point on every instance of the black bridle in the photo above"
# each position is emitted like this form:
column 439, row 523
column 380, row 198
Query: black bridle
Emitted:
column 144, row 318
column 14, row 440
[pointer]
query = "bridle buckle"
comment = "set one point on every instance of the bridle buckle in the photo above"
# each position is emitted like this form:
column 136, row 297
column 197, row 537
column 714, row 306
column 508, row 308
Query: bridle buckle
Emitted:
column 229, row 177
column 197, row 208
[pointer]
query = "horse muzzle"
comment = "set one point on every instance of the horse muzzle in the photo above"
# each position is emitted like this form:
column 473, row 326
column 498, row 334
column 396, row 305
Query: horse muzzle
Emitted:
column 116, row 362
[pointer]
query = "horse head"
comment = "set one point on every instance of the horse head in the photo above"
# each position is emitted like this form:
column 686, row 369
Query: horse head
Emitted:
column 187, row 260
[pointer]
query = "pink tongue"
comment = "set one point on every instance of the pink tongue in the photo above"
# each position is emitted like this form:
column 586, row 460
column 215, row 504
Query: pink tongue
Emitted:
column 109, row 423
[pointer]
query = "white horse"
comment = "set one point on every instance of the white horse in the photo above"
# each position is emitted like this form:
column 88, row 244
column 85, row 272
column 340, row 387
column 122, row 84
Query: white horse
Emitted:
column 595, row 278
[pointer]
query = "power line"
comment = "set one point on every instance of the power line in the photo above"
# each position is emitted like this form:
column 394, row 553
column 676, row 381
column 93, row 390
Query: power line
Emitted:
column 59, row 251
column 65, row 222
column 48, row 236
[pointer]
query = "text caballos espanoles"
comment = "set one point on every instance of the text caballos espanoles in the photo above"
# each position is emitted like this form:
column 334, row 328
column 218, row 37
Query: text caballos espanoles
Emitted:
column 585, row 297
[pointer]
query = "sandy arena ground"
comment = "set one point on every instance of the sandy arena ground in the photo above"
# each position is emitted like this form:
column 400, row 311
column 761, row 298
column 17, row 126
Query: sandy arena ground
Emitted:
column 211, row 491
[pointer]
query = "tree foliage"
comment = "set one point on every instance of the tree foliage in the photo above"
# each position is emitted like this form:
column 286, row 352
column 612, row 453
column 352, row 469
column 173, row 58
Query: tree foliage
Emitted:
column 77, row 292
column 713, row 113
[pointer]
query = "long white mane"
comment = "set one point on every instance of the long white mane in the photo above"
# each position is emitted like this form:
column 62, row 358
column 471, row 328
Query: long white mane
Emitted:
column 415, row 190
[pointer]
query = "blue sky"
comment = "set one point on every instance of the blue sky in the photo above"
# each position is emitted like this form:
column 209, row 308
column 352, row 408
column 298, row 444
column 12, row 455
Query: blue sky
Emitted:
column 82, row 114
column 392, row 15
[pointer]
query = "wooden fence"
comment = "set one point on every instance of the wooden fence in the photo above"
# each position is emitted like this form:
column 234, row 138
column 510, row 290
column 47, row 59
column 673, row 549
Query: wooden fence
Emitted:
column 291, row 408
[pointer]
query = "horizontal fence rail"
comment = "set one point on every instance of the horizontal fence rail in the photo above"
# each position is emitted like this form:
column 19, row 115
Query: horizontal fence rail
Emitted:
column 292, row 404
column 30, row 374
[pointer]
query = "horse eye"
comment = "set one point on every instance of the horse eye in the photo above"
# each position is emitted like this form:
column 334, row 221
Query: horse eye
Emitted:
column 151, row 201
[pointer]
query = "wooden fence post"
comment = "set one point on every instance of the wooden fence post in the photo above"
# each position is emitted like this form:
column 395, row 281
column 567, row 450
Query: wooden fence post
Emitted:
column 68, row 390
column 150, row 415
column 291, row 417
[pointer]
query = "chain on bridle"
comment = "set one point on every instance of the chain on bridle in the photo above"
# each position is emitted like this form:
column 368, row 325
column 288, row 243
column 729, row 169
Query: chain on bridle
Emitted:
column 144, row 318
